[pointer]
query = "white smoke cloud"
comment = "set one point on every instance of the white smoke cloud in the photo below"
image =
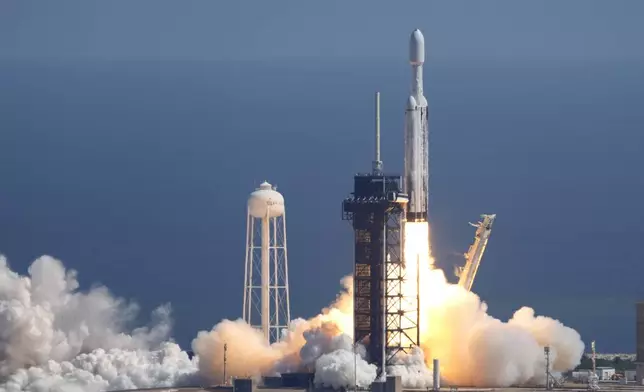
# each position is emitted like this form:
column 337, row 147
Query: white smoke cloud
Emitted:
column 412, row 369
column 343, row 368
column 565, row 343
column 114, row 369
column 249, row 355
column 335, row 360
column 476, row 349
column 54, row 337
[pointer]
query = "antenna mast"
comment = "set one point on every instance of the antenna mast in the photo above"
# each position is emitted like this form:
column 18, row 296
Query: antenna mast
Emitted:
column 377, row 163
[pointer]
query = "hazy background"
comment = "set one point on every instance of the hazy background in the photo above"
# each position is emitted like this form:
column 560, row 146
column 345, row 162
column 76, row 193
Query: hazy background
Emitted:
column 132, row 132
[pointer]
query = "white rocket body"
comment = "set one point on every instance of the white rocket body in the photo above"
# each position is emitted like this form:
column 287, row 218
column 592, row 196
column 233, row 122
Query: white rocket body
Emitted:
column 416, row 180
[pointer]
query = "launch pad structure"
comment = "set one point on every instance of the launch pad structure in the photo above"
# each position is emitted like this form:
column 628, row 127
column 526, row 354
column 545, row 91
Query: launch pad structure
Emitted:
column 382, row 319
column 386, row 312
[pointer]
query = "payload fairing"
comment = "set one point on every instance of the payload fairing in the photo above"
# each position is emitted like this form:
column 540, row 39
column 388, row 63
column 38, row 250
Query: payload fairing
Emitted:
column 416, row 179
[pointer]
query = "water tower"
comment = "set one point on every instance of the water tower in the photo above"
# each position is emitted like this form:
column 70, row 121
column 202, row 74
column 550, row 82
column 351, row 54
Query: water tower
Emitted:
column 266, row 294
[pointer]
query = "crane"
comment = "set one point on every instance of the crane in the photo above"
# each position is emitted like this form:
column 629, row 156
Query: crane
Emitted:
column 467, row 273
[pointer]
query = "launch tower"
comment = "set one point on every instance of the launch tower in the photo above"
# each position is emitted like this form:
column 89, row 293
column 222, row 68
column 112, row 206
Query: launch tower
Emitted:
column 375, row 209
column 266, row 294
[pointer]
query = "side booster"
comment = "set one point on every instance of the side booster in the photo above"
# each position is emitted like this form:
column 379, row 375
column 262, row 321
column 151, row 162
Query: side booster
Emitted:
column 416, row 180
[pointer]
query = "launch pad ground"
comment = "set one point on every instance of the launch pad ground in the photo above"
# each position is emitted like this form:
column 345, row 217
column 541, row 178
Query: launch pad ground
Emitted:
column 570, row 387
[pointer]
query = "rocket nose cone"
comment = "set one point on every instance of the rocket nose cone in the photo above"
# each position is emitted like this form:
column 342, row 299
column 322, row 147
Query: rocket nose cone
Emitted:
column 417, row 47
column 411, row 103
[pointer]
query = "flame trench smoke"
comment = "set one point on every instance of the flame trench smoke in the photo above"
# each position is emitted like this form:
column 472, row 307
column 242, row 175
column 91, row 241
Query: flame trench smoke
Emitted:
column 54, row 337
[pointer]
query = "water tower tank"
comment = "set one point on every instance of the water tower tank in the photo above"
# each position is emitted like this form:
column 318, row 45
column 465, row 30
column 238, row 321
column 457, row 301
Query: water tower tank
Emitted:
column 266, row 298
column 266, row 200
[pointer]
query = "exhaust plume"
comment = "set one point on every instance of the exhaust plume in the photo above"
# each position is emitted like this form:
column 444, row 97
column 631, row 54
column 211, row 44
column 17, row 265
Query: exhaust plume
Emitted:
column 474, row 348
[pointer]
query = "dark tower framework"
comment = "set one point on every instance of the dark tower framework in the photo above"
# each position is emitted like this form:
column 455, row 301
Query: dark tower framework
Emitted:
column 403, row 309
column 385, row 319
column 370, row 208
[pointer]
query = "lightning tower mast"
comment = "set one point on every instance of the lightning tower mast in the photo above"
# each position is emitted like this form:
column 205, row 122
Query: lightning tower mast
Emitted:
column 266, row 293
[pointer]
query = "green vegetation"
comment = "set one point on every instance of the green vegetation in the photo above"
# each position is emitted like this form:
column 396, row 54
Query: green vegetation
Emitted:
column 619, row 364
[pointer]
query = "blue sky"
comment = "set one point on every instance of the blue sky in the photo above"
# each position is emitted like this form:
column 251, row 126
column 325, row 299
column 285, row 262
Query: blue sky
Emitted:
column 259, row 30
column 132, row 133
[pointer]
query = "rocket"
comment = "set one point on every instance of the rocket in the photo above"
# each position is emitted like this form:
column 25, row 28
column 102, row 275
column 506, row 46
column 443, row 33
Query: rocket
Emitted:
column 416, row 178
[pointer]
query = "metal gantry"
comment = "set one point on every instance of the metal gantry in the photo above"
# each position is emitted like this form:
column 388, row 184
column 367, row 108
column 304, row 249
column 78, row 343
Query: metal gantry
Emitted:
column 403, row 308
column 381, row 310
column 384, row 316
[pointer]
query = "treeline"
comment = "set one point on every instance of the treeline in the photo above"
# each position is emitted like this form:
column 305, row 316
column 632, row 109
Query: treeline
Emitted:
column 619, row 364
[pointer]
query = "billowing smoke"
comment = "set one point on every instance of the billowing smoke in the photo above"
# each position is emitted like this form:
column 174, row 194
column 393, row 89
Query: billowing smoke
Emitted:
column 476, row 349
column 54, row 337
column 342, row 367
column 114, row 369
column 411, row 369
column 250, row 356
